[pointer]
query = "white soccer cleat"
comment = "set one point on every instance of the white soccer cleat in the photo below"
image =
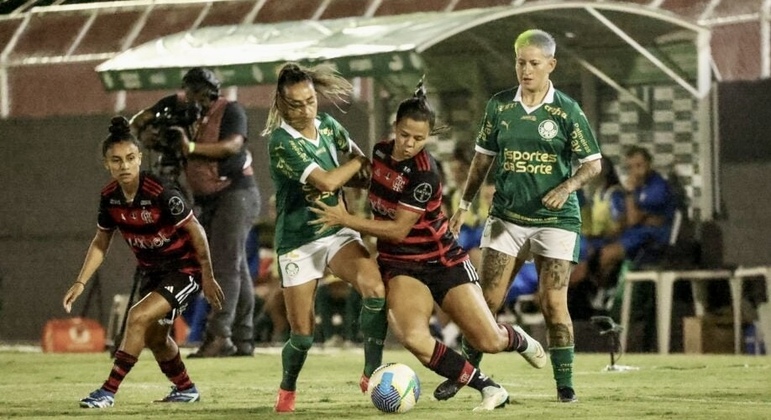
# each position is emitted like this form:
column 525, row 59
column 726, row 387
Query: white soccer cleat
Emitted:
column 534, row 353
column 492, row 397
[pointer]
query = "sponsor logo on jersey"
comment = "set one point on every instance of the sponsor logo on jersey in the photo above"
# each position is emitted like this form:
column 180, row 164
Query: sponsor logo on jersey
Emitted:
column 423, row 192
column 506, row 107
column 114, row 201
column 170, row 289
column 381, row 208
column 505, row 124
column 548, row 130
column 176, row 205
column 529, row 162
column 313, row 194
column 556, row 111
column 326, row 131
column 578, row 140
column 148, row 242
column 145, row 203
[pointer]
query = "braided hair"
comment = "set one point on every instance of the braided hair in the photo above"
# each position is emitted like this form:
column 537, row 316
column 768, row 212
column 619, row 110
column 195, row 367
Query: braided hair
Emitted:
column 325, row 79
column 120, row 131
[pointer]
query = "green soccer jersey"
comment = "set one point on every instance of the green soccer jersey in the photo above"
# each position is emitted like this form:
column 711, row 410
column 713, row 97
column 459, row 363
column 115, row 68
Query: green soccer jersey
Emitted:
column 535, row 150
column 292, row 158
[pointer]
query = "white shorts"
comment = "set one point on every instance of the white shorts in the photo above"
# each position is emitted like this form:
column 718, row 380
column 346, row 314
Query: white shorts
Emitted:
column 309, row 262
column 525, row 241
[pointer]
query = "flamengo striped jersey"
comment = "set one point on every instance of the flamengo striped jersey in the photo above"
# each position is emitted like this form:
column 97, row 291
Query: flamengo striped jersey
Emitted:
column 151, row 224
column 414, row 185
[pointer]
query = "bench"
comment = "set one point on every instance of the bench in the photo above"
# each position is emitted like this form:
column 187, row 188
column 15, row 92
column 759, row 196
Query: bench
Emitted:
column 664, row 280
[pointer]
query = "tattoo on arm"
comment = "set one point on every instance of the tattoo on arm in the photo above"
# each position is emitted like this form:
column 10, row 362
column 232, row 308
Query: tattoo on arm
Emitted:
column 480, row 165
column 584, row 173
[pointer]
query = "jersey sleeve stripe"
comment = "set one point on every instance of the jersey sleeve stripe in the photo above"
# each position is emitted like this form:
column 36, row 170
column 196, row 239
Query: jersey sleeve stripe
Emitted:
column 411, row 208
column 590, row 158
column 185, row 220
column 307, row 172
column 484, row 151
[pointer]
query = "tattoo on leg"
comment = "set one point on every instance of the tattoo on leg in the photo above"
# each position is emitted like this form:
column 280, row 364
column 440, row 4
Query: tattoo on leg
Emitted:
column 556, row 273
column 493, row 273
column 560, row 335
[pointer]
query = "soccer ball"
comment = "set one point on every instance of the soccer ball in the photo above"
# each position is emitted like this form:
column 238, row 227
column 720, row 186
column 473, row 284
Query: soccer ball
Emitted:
column 394, row 388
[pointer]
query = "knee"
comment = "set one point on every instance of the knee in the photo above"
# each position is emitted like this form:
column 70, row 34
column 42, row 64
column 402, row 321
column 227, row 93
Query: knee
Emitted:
column 301, row 342
column 554, row 307
column 156, row 342
column 371, row 285
column 139, row 320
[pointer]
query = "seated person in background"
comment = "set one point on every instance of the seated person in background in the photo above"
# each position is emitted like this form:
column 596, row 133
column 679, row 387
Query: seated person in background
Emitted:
column 649, row 210
column 602, row 212
column 470, row 233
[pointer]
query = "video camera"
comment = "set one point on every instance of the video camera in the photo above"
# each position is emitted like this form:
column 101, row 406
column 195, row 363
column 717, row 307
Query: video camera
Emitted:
column 168, row 140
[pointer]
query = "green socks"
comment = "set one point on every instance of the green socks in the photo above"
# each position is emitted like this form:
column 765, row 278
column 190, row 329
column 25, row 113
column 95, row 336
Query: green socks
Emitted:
column 293, row 358
column 562, row 364
column 471, row 354
column 374, row 326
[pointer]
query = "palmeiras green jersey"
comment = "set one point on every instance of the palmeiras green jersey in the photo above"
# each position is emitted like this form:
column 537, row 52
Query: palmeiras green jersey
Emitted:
column 535, row 150
column 292, row 158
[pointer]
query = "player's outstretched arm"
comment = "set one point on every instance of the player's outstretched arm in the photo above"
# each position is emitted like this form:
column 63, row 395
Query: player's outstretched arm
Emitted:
column 94, row 257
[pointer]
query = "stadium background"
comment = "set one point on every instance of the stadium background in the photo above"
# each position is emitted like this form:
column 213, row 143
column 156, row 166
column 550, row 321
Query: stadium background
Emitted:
column 55, row 110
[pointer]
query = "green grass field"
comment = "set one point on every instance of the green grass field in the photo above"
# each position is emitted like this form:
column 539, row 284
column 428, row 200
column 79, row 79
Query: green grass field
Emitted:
column 36, row 385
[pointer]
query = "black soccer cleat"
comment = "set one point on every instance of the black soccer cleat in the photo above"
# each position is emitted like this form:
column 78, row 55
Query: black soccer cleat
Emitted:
column 446, row 390
column 566, row 394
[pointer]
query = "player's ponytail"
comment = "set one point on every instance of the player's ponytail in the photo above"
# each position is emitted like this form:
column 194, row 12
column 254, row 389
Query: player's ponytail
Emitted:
column 120, row 130
column 418, row 108
column 326, row 81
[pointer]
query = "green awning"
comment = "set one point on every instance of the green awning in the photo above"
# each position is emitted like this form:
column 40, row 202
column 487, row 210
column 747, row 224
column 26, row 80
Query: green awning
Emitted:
column 471, row 50
column 252, row 54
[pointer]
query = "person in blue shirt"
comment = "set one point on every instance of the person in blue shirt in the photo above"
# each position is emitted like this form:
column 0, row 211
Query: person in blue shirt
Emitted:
column 650, row 205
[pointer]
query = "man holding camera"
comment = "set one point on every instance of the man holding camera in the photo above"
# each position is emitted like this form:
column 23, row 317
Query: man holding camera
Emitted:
column 206, row 134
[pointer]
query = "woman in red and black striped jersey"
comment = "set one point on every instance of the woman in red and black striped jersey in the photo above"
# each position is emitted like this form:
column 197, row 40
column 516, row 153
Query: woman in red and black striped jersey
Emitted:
column 421, row 261
column 172, row 257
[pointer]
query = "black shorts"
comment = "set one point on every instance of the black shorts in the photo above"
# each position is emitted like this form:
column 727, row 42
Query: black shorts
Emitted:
column 176, row 287
column 437, row 277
